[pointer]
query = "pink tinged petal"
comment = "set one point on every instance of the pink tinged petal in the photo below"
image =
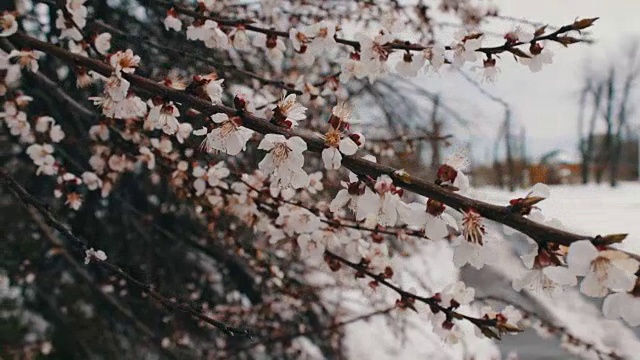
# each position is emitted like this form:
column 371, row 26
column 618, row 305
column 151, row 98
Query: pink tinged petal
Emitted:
column 331, row 158
column 297, row 144
column 591, row 286
column 348, row 146
column 560, row 275
column 581, row 254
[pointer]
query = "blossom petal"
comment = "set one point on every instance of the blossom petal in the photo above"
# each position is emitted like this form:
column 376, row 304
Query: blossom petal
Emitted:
column 219, row 118
column 619, row 280
column 348, row 146
column 581, row 254
column 297, row 144
column 591, row 286
column 331, row 158
column 269, row 141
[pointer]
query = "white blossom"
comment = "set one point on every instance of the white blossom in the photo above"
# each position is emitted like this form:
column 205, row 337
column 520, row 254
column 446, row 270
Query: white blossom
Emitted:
column 41, row 154
column 435, row 55
column 56, row 134
column 27, row 59
column 240, row 38
column 67, row 28
column 352, row 67
column 323, row 33
column 415, row 214
column 284, row 160
column 539, row 56
column 103, row 43
column 549, row 279
column 165, row 117
column 610, row 269
column 228, row 136
column 91, row 180
column 288, row 112
column 373, row 54
column 184, row 131
column 457, row 294
column 43, row 123
column 117, row 88
column 172, row 21
column 214, row 89
column 337, row 144
column 296, row 220
column 464, row 50
column 124, row 61
column 410, row 65
column 8, row 24
column 92, row 254
column 74, row 201
column 357, row 197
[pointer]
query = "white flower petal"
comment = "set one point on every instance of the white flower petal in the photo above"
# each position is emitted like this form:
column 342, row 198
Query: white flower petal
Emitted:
column 348, row 146
column 297, row 144
column 581, row 254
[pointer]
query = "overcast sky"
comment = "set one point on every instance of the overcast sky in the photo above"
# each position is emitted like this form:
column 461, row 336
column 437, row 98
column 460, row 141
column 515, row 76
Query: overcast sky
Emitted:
column 545, row 103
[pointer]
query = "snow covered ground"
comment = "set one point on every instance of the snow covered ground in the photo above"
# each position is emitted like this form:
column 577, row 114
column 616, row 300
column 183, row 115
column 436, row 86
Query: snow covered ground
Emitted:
column 584, row 209
column 590, row 209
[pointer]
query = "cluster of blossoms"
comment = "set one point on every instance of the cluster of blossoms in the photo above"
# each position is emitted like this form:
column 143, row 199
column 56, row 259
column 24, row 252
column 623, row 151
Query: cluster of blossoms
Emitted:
column 41, row 134
column 373, row 53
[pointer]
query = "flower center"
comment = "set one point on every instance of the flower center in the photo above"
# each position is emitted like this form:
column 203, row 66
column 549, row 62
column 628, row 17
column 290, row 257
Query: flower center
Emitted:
column 332, row 138
column 226, row 129
column 472, row 227
column 6, row 22
column 381, row 51
column 280, row 153
column 600, row 267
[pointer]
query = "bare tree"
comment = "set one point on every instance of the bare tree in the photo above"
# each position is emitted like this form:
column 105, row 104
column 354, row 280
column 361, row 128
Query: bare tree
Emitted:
column 623, row 112
column 610, row 100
